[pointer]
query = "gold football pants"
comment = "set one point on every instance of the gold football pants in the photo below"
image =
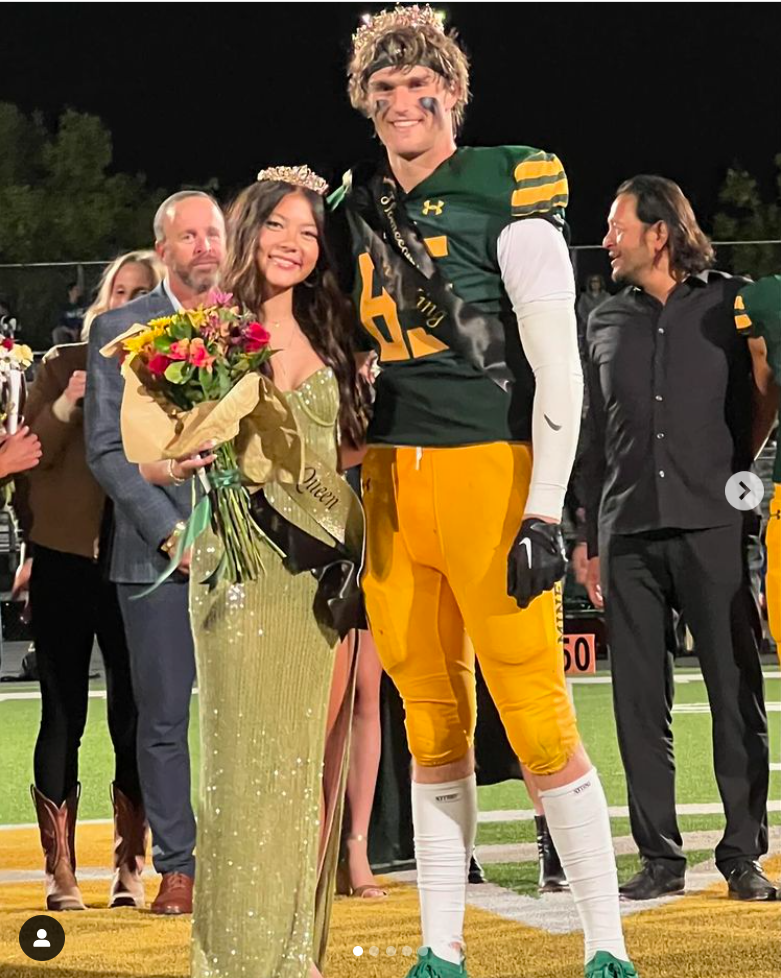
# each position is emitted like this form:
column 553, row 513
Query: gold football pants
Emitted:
column 773, row 578
column 440, row 524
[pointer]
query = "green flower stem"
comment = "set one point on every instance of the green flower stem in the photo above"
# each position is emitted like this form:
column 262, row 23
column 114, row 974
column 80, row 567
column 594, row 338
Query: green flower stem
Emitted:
column 240, row 535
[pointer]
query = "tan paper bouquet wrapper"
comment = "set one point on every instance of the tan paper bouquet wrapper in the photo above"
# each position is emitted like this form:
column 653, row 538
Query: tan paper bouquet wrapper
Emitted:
column 254, row 413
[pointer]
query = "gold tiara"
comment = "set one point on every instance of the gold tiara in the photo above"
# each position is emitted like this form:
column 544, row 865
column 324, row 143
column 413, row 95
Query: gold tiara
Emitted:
column 375, row 25
column 299, row 176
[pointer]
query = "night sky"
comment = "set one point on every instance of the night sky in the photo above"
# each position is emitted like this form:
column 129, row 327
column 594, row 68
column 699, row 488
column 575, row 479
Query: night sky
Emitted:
column 192, row 92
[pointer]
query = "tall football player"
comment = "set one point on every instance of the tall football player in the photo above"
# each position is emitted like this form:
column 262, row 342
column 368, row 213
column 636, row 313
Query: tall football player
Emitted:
column 464, row 286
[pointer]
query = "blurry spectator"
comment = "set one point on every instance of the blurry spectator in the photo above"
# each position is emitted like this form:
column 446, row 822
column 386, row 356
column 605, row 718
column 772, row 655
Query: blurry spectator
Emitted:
column 68, row 330
column 592, row 296
column 72, row 603
column 9, row 324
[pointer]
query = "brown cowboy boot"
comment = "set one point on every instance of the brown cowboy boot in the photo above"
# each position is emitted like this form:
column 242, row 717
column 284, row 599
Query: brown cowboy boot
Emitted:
column 58, row 838
column 130, row 838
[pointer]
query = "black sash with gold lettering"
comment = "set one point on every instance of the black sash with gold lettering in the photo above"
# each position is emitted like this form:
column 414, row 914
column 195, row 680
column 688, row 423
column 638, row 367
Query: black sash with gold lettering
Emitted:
column 381, row 227
column 336, row 567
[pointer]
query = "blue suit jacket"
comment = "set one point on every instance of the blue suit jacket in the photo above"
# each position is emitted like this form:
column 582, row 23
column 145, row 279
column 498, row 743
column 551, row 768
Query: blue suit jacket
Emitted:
column 144, row 515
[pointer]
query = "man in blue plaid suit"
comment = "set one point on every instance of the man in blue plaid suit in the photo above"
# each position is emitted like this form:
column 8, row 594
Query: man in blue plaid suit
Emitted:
column 189, row 237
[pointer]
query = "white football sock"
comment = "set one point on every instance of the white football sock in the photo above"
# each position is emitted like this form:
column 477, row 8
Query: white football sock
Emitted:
column 445, row 820
column 579, row 825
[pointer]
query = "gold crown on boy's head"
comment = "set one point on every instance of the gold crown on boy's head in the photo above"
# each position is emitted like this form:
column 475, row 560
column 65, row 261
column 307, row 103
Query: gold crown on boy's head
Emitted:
column 375, row 25
column 403, row 38
column 298, row 176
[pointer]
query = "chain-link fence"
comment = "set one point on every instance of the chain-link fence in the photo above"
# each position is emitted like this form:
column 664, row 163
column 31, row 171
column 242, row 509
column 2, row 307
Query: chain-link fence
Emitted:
column 36, row 295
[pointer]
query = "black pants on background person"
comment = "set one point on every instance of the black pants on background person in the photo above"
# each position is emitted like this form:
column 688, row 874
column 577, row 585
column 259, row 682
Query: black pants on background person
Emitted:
column 162, row 663
column 72, row 605
column 704, row 574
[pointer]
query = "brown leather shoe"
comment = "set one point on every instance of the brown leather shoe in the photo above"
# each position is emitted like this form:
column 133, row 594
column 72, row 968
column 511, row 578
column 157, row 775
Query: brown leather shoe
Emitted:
column 176, row 894
column 57, row 824
column 130, row 837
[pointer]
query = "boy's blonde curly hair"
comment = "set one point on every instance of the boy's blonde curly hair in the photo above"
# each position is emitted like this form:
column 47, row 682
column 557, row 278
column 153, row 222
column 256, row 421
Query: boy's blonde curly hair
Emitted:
column 405, row 38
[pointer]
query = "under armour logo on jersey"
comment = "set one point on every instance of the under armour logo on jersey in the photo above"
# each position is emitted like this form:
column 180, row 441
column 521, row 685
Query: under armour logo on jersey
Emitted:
column 431, row 207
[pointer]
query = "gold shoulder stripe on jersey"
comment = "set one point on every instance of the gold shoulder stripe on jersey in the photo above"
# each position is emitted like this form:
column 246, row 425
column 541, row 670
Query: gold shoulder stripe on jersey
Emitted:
column 533, row 169
column 437, row 247
column 739, row 303
column 433, row 207
column 743, row 322
column 546, row 194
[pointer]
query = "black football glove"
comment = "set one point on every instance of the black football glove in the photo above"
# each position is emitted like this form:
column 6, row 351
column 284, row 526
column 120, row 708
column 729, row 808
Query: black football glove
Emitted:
column 537, row 560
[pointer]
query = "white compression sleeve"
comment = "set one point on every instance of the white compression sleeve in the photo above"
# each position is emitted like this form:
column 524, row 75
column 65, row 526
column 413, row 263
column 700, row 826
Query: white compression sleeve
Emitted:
column 579, row 825
column 445, row 820
column 537, row 274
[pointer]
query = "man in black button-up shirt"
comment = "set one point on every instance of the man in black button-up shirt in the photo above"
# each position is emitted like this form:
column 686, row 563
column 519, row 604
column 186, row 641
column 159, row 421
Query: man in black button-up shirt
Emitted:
column 670, row 390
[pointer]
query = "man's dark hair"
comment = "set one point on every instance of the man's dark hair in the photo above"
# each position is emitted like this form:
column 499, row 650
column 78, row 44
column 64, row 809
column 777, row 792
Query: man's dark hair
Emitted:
column 660, row 199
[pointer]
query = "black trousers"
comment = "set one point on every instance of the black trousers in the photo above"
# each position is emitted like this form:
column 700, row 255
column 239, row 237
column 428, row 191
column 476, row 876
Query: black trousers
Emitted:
column 704, row 575
column 72, row 605
column 162, row 663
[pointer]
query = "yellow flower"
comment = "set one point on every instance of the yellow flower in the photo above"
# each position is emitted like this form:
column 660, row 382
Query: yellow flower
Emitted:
column 162, row 323
column 23, row 353
column 134, row 344
column 197, row 317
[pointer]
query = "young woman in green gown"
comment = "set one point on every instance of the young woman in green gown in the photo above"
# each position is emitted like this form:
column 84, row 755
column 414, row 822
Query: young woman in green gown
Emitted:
column 267, row 845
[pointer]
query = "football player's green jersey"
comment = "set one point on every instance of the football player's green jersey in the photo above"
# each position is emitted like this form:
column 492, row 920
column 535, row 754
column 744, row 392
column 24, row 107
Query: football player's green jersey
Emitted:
column 428, row 395
column 758, row 313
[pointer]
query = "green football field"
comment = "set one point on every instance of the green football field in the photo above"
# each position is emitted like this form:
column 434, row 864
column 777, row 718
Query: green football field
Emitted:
column 20, row 709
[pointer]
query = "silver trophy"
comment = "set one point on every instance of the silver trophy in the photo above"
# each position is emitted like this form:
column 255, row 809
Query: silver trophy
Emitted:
column 13, row 393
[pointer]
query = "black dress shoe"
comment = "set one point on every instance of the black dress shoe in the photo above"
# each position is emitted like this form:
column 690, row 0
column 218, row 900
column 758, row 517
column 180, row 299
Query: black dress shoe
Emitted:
column 476, row 874
column 653, row 880
column 748, row 882
column 552, row 877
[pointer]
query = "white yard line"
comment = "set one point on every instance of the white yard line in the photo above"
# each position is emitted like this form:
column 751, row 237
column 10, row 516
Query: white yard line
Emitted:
column 616, row 811
column 690, row 708
column 94, row 694
column 501, row 815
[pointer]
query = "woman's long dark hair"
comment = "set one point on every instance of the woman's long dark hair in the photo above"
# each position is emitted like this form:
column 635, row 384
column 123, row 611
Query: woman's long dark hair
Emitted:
column 325, row 316
column 660, row 199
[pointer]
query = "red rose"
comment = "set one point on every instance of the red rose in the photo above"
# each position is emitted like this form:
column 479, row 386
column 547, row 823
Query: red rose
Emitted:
column 158, row 364
column 8, row 343
column 256, row 336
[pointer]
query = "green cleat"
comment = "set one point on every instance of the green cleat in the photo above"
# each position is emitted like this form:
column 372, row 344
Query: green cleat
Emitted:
column 604, row 965
column 430, row 966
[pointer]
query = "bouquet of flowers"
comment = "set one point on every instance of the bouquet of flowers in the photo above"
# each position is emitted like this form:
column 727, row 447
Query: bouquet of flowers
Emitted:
column 198, row 372
column 15, row 358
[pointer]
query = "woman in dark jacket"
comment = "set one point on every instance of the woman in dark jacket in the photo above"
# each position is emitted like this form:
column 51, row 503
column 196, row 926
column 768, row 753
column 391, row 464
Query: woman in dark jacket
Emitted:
column 72, row 603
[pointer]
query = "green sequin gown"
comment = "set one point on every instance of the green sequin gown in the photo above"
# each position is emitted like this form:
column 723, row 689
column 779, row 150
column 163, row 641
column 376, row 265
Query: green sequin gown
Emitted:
column 264, row 674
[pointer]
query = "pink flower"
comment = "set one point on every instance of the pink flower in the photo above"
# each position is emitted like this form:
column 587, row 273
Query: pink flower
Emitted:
column 8, row 343
column 158, row 364
column 199, row 354
column 218, row 298
column 256, row 336
column 179, row 350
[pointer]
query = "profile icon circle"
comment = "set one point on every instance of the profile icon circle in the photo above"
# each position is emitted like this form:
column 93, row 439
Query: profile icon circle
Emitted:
column 42, row 938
